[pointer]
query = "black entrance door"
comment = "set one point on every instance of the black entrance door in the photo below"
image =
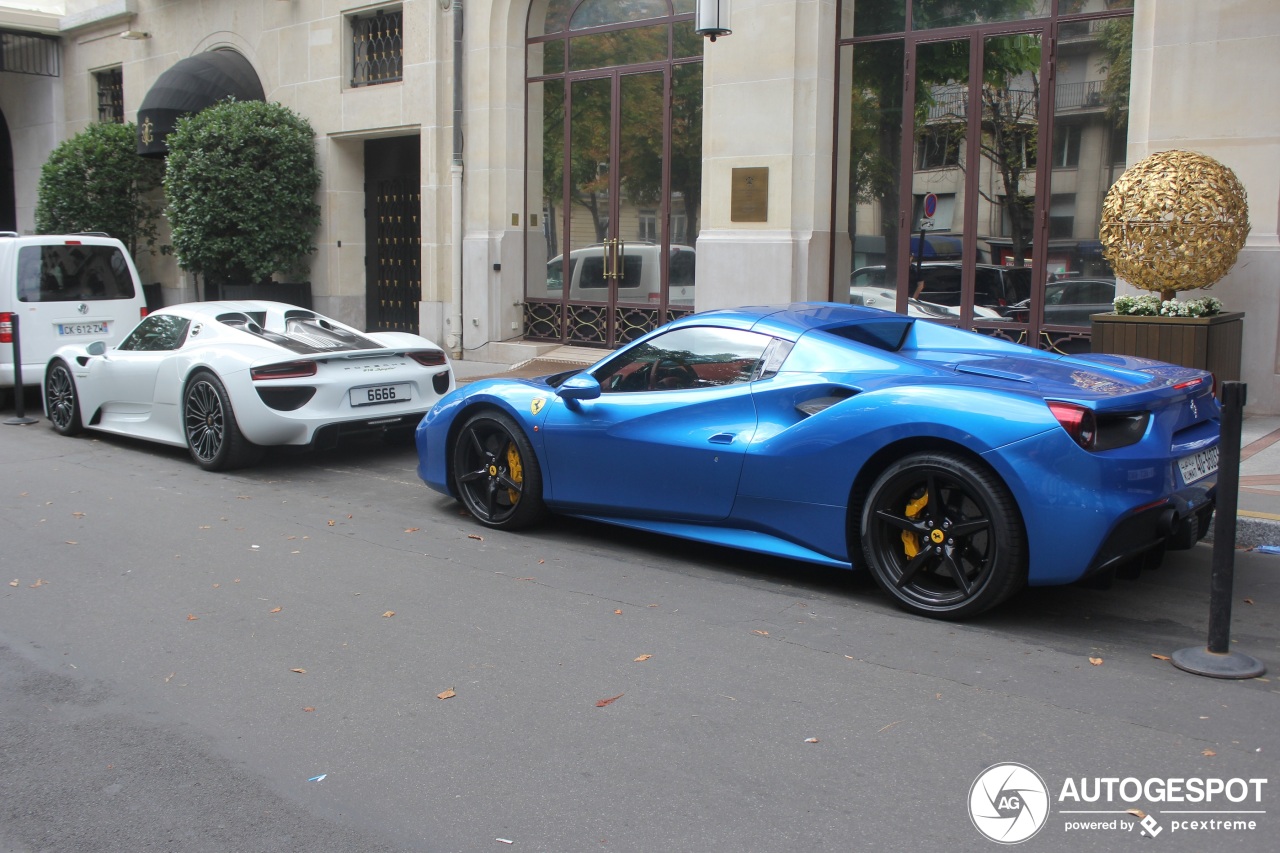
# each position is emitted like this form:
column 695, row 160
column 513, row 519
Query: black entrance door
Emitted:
column 393, row 227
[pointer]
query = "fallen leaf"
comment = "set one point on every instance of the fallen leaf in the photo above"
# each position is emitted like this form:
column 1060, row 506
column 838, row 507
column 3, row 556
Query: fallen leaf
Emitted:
column 276, row 609
column 412, row 529
column 475, row 537
column 206, row 527
column 448, row 694
column 1138, row 813
column 1160, row 657
column 603, row 702
column 332, row 522
column 169, row 676
column 299, row 670
column 761, row 633
column 1096, row 661
column 1208, row 753
column 642, row 658
column 308, row 709
column 811, row 740
column 78, row 514
column 540, row 562
column 15, row 582
column 216, row 585
column 72, row 542
column 617, row 613
column 388, row 614
column 1248, row 601
column 191, row 617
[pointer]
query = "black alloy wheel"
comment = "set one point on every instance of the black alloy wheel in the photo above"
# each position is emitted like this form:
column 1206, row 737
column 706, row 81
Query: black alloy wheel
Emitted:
column 213, row 436
column 61, row 402
column 495, row 473
column 943, row 536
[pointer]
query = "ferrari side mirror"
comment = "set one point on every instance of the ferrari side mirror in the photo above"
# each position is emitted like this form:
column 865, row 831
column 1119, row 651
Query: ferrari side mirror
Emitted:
column 583, row 386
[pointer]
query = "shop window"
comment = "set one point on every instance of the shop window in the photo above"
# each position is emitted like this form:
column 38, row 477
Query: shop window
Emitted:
column 110, row 85
column 377, row 47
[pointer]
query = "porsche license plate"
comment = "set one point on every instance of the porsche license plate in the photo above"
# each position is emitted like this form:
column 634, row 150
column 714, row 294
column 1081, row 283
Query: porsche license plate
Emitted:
column 372, row 395
column 1199, row 465
column 77, row 329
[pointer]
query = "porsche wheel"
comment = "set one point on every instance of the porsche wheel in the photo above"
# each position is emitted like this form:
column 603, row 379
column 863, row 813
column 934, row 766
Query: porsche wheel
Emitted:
column 495, row 473
column 943, row 536
column 213, row 436
column 61, row 402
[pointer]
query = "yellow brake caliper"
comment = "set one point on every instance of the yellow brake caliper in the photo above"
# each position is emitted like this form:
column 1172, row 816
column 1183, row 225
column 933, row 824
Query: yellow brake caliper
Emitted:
column 910, row 541
column 516, row 469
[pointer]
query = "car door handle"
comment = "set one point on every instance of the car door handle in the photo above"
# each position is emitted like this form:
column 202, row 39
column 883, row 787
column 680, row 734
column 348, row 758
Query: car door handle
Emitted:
column 722, row 438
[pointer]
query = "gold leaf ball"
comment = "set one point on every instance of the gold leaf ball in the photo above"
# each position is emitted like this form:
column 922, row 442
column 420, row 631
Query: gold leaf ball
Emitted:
column 1176, row 220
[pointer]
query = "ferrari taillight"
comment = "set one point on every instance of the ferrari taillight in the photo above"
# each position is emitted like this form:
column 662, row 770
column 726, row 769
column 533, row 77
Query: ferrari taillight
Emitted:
column 428, row 357
column 1077, row 421
column 1100, row 432
column 287, row 370
column 6, row 327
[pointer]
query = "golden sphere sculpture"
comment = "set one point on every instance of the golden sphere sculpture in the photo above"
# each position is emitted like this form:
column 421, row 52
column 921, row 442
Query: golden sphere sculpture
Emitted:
column 1176, row 220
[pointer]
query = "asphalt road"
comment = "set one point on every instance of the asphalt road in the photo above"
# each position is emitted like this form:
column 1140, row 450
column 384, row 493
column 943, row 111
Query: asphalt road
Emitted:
column 181, row 652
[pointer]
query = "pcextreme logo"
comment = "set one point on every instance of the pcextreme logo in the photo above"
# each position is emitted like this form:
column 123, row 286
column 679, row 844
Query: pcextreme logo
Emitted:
column 1009, row 803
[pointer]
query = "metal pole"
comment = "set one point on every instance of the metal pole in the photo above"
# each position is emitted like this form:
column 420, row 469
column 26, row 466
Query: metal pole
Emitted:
column 1216, row 659
column 19, row 392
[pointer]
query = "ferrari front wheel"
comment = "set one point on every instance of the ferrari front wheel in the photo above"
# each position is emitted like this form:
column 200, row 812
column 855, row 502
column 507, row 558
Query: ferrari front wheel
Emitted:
column 943, row 536
column 495, row 473
column 213, row 436
column 61, row 402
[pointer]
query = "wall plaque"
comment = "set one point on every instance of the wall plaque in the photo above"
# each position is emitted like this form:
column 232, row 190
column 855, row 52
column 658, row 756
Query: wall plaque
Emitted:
column 750, row 200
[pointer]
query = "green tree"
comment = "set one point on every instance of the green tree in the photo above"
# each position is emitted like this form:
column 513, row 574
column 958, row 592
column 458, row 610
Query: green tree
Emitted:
column 95, row 181
column 241, row 180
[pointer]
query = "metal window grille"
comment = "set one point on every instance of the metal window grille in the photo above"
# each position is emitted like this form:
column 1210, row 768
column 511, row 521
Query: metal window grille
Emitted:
column 30, row 53
column 111, row 95
column 377, row 45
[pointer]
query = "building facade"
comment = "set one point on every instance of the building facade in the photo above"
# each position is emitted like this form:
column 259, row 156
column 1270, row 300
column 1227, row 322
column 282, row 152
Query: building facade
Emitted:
column 510, row 175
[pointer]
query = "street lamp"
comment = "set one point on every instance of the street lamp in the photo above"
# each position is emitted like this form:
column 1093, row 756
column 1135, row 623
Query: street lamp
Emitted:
column 713, row 19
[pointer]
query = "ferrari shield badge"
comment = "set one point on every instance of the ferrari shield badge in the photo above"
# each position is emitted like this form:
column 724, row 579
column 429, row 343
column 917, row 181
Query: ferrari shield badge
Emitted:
column 537, row 404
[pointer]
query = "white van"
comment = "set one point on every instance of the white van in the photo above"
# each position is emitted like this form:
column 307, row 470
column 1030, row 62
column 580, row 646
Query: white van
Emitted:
column 641, row 274
column 63, row 289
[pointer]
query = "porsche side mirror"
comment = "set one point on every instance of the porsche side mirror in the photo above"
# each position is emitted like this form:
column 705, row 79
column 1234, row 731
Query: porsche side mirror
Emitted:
column 583, row 386
column 96, row 348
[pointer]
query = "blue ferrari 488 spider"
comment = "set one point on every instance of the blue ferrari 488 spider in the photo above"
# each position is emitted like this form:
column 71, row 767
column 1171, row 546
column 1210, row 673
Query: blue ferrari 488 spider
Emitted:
column 954, row 466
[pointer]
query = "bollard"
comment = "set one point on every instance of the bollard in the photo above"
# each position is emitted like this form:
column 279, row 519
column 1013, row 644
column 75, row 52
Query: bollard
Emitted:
column 1216, row 659
column 19, row 404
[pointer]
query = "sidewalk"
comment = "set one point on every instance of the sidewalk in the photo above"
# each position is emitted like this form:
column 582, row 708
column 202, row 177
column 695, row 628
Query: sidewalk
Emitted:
column 1258, row 504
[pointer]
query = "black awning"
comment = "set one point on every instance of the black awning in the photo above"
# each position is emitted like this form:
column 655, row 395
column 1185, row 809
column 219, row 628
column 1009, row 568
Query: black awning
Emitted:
column 188, row 87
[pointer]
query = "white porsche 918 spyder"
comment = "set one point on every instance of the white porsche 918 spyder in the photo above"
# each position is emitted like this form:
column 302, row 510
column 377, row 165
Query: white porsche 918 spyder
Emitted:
column 225, row 379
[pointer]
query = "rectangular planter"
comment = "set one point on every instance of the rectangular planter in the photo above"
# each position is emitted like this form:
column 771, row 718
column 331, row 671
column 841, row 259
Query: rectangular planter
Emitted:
column 1209, row 343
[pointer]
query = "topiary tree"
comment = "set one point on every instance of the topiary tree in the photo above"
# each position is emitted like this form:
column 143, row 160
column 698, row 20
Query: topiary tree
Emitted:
column 95, row 181
column 241, row 180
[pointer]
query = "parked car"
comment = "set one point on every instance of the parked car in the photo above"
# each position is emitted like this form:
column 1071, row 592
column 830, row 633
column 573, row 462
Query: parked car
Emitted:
column 62, row 289
column 954, row 466
column 1071, row 301
column 995, row 287
column 879, row 297
column 225, row 379
column 641, row 269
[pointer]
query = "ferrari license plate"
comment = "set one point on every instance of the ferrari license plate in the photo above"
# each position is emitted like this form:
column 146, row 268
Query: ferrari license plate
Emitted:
column 372, row 395
column 1199, row 465
column 76, row 329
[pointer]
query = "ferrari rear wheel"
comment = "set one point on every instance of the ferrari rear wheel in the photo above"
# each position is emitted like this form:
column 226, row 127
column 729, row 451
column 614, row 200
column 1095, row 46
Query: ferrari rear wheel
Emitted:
column 61, row 402
column 943, row 536
column 213, row 436
column 495, row 472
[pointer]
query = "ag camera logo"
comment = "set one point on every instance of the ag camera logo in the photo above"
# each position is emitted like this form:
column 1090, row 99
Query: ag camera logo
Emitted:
column 1008, row 803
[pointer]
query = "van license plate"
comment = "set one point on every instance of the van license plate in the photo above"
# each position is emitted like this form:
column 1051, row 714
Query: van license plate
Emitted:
column 76, row 329
column 1198, row 465
column 375, row 394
